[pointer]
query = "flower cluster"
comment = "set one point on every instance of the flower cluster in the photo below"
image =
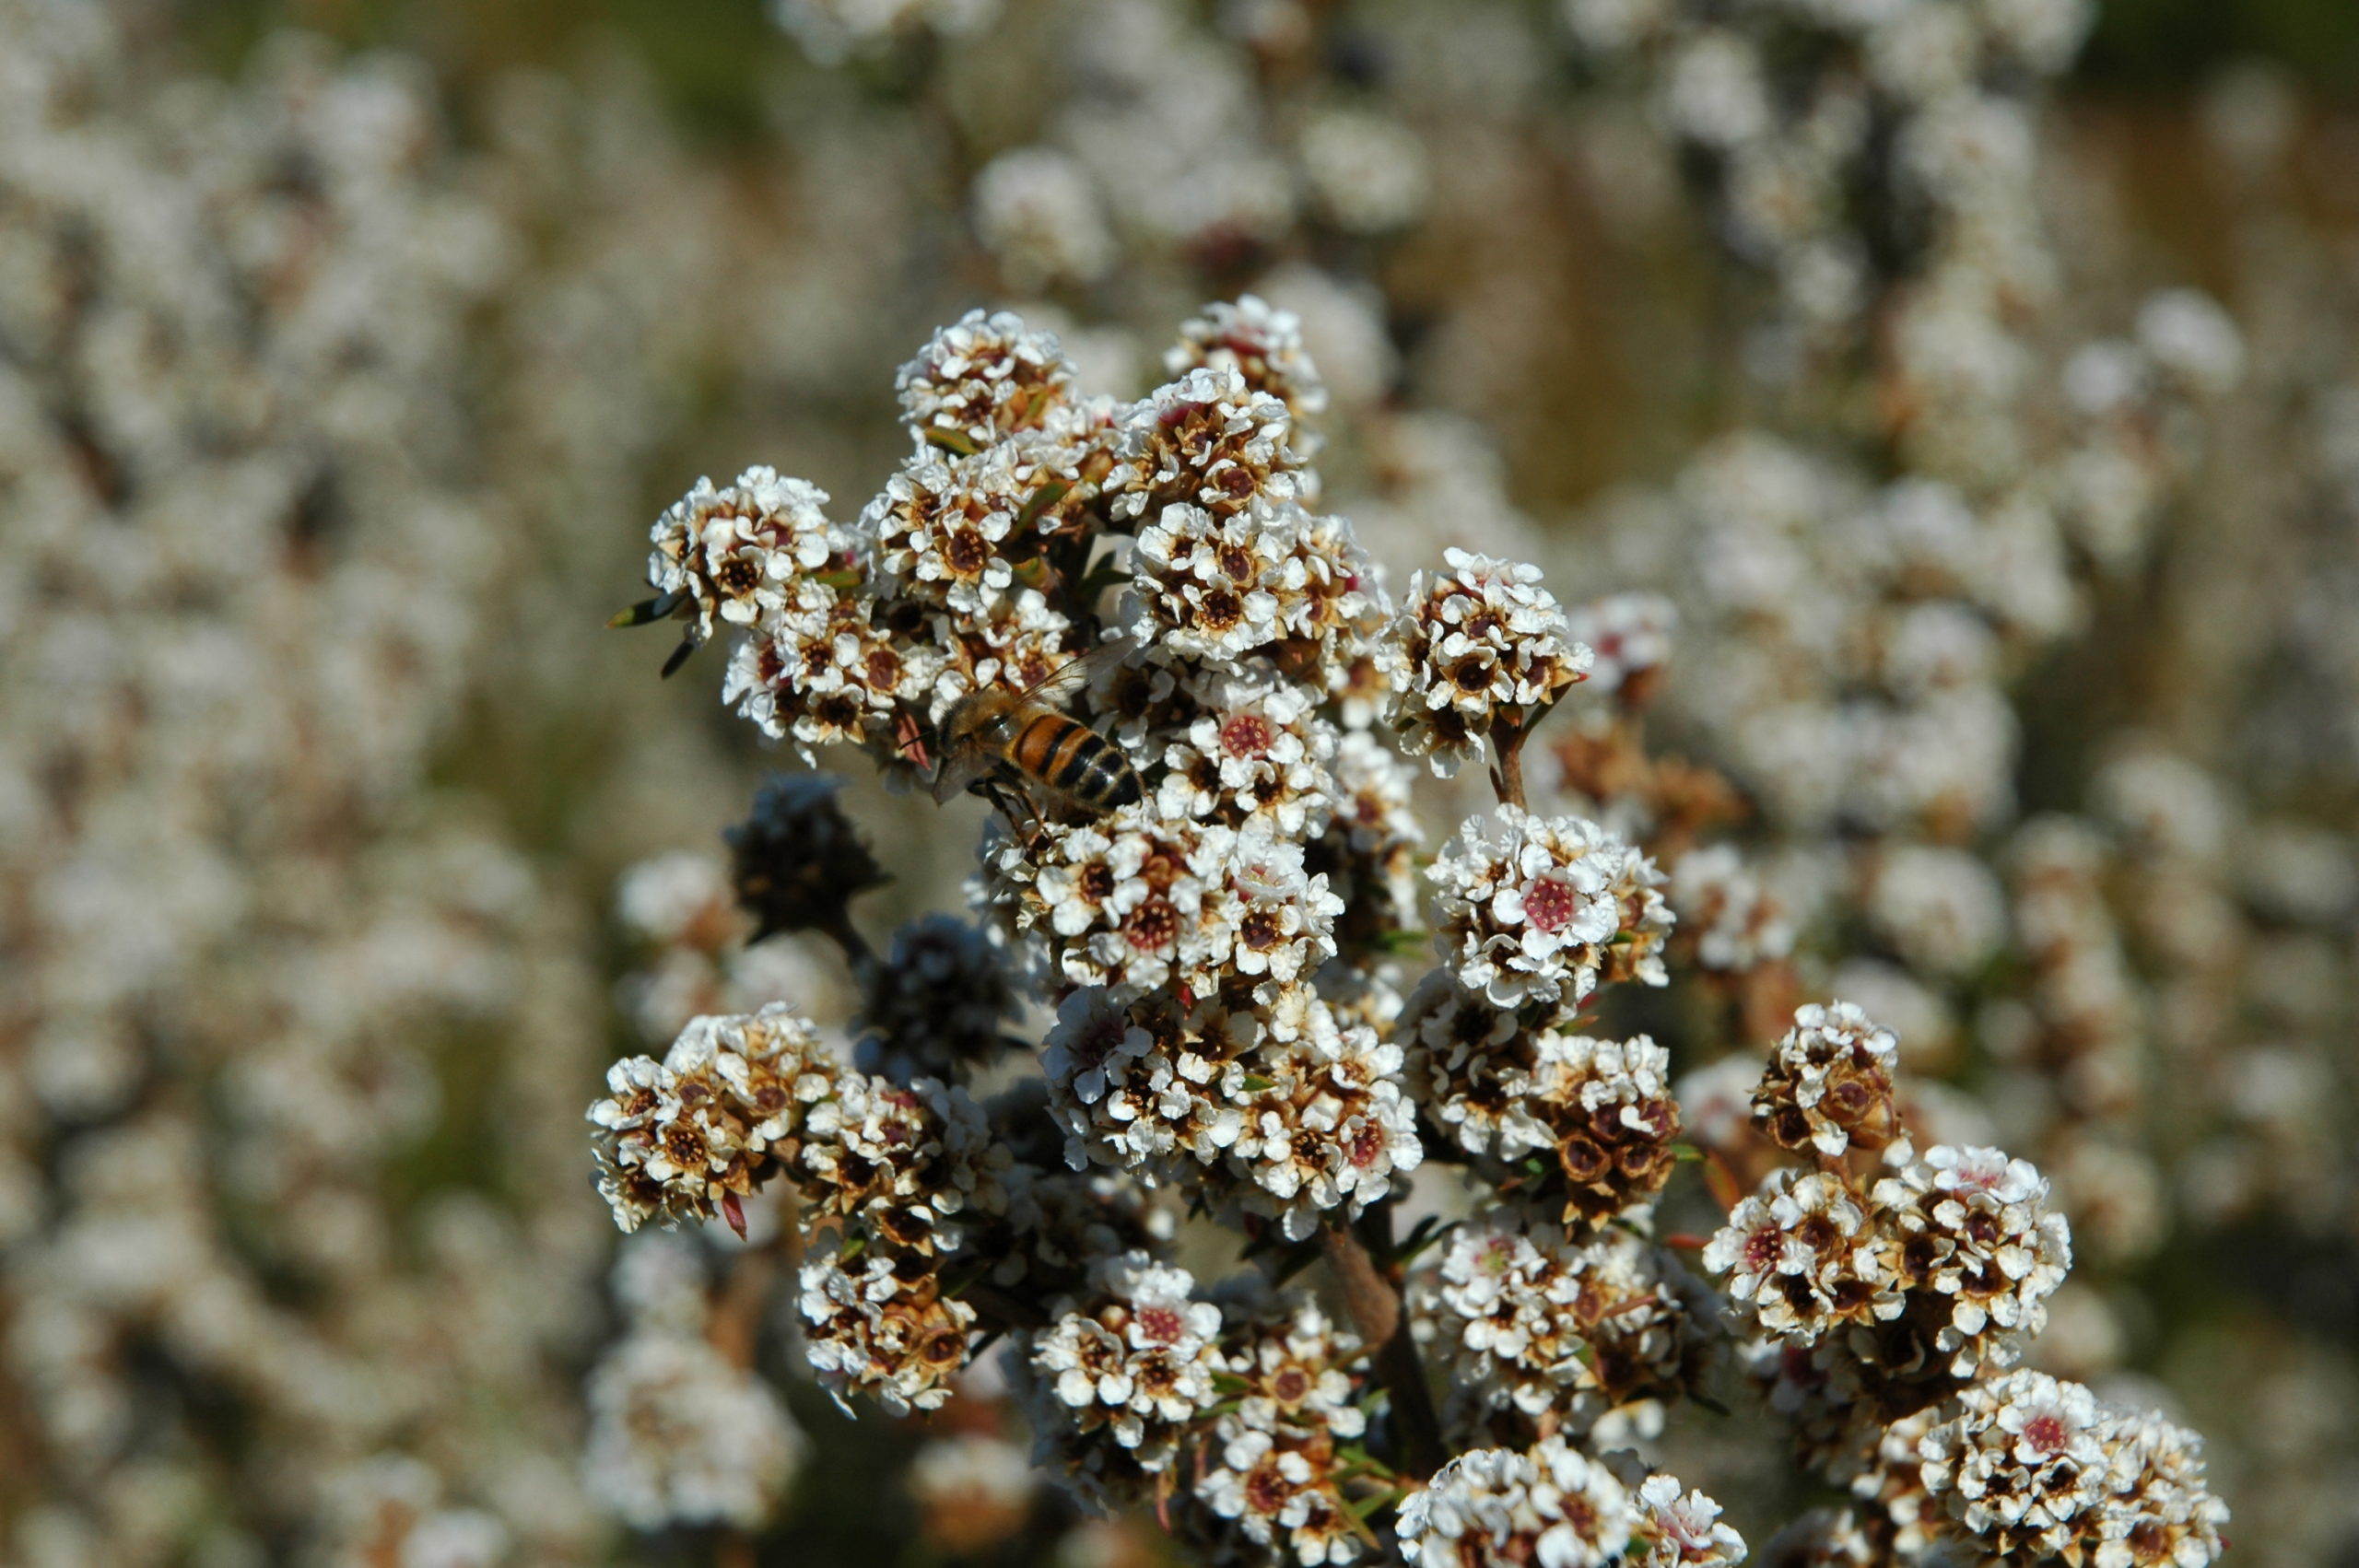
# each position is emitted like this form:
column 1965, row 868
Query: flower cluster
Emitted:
column 678, row 1432
column 1478, row 648
column 1221, row 947
column 1135, row 1369
column 1281, row 1462
column 737, row 554
column 1529, row 1322
column 1922, row 1279
column 870, row 1330
column 692, row 1135
column 1535, row 910
column 1139, row 900
column 1888, row 1310
column 310, row 424
column 1551, row 1503
column 1828, row 1085
column 1221, row 951
column 2031, row 1468
column 1287, row 1108
column 1260, row 342
column 1577, row 1129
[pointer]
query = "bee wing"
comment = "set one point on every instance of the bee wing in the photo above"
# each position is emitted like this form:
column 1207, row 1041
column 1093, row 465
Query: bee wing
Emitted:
column 960, row 769
column 1057, row 687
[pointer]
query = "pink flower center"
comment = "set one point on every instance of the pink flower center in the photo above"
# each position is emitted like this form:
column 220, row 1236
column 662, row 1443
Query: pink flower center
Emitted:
column 1161, row 1324
column 1550, row 906
column 1247, row 735
column 1978, row 1176
column 1683, row 1525
column 2046, row 1433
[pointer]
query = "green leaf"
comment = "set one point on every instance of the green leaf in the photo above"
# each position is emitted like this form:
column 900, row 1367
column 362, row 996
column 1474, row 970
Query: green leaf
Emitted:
column 1044, row 497
column 647, row 610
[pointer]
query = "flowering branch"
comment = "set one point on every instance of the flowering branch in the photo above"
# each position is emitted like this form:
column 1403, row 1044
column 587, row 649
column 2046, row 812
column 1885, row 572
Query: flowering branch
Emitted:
column 1213, row 883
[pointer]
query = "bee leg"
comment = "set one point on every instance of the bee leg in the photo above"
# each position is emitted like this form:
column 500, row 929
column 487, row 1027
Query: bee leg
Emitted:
column 1040, row 824
column 1004, row 794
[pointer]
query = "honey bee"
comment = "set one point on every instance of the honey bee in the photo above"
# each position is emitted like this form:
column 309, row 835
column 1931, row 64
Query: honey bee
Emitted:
column 1024, row 735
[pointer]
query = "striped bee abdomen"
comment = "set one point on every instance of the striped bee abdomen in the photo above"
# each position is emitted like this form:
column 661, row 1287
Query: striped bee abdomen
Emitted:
column 1075, row 760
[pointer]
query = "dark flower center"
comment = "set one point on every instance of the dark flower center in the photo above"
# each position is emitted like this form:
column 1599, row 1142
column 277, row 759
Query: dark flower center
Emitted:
column 969, row 553
column 1154, row 924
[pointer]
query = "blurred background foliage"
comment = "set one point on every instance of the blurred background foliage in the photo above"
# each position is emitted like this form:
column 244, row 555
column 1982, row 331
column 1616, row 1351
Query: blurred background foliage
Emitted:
column 714, row 58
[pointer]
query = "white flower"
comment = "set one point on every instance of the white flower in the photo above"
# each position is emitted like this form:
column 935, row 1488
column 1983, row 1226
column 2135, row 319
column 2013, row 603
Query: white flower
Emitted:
column 1526, row 904
column 1738, row 921
column 1526, row 1319
column 1803, row 1258
column 944, row 531
column 1828, row 1082
column 1141, row 1365
column 1973, row 1228
column 1627, row 635
column 874, row 1332
column 1689, row 1527
column 1279, row 918
column 1332, row 1128
column 733, row 551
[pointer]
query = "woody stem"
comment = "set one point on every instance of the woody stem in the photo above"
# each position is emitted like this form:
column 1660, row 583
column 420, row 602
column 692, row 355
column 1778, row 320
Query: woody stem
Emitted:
column 1507, row 740
column 1374, row 1301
